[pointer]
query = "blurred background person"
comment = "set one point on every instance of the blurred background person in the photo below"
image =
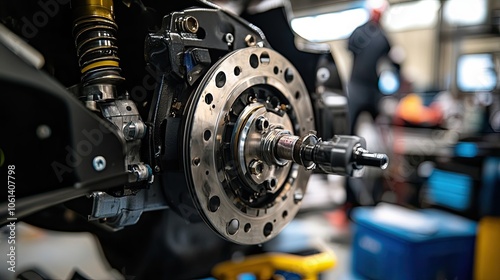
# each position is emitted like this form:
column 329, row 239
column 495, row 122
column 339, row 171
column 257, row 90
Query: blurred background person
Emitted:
column 370, row 48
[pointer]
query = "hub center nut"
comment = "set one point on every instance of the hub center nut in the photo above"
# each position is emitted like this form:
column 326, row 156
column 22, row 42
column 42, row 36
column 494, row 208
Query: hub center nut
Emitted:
column 256, row 167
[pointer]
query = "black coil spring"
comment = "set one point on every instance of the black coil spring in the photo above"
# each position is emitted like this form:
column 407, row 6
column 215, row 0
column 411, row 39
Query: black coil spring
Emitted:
column 95, row 39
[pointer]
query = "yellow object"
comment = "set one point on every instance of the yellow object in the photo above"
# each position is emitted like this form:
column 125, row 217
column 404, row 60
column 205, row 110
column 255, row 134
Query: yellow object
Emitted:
column 264, row 266
column 487, row 260
column 99, row 64
column 93, row 8
column 94, row 15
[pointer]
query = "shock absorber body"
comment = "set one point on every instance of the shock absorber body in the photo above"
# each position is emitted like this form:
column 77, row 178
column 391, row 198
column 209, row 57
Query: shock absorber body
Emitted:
column 95, row 32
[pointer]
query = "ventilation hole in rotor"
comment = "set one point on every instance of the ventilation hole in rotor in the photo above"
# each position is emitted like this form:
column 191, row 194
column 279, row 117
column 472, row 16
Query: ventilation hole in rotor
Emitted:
column 207, row 172
column 254, row 61
column 220, row 79
column 247, row 227
column 214, row 203
column 268, row 229
column 207, row 134
column 196, row 161
column 288, row 75
column 276, row 70
column 209, row 98
column 237, row 71
column 264, row 58
column 297, row 95
column 274, row 101
column 233, row 226
column 273, row 182
column 285, row 214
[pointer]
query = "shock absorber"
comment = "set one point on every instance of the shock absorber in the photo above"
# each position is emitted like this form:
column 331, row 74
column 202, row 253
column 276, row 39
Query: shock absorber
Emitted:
column 95, row 32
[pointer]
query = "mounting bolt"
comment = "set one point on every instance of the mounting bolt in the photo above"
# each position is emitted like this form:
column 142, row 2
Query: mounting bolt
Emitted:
column 256, row 167
column 262, row 123
column 134, row 130
column 298, row 196
column 142, row 172
column 229, row 38
column 43, row 131
column 99, row 163
column 250, row 40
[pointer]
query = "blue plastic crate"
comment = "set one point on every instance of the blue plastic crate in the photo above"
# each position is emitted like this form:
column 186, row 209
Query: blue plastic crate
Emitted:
column 450, row 189
column 392, row 242
column 490, row 192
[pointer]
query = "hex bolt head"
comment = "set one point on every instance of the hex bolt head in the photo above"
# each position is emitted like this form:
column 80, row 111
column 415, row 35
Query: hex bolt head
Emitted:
column 134, row 130
column 99, row 163
column 256, row 167
column 250, row 40
column 129, row 131
column 262, row 123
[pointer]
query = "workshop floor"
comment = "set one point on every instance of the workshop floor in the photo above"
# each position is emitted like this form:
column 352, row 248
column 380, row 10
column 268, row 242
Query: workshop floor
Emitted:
column 59, row 254
column 56, row 254
column 320, row 222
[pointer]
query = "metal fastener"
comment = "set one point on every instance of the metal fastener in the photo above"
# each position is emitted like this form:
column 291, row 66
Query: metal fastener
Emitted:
column 262, row 123
column 229, row 38
column 250, row 40
column 43, row 131
column 134, row 130
column 99, row 163
column 256, row 167
column 189, row 24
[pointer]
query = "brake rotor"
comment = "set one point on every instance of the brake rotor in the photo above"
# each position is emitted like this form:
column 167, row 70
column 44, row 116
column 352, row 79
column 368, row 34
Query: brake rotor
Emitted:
column 240, row 191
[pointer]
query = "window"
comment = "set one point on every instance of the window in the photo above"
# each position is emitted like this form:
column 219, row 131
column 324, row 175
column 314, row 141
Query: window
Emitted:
column 476, row 72
column 330, row 26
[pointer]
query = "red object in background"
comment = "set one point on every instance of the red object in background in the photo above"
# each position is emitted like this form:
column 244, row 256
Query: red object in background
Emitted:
column 339, row 217
column 376, row 14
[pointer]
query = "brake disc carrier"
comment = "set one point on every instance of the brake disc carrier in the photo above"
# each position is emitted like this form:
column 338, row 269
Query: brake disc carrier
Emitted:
column 244, row 102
